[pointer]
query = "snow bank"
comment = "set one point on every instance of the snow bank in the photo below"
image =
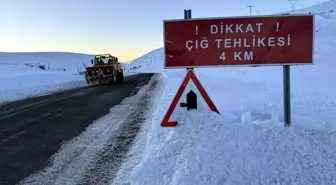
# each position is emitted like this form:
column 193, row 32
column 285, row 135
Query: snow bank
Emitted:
column 19, row 82
column 21, row 76
column 209, row 149
column 135, row 155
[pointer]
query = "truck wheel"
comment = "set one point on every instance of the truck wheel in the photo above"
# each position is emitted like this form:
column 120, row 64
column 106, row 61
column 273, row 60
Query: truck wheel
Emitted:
column 115, row 76
column 87, row 79
column 118, row 81
column 121, row 77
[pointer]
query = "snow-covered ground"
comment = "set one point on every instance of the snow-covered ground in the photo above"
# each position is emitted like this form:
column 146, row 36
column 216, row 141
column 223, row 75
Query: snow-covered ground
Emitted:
column 247, row 143
column 22, row 77
column 19, row 82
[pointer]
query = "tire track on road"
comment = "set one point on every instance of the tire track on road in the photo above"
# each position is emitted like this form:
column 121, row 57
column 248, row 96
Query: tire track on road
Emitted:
column 106, row 167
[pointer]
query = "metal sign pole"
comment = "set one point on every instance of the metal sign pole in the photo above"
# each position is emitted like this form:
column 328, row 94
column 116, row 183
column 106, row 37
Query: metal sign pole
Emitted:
column 286, row 94
column 187, row 15
column 191, row 96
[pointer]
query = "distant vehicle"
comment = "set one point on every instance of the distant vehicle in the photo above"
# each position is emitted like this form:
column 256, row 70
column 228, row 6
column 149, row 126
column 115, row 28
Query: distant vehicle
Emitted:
column 105, row 69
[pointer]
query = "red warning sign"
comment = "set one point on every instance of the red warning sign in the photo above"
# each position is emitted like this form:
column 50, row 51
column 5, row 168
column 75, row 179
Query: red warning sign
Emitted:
column 239, row 41
column 166, row 122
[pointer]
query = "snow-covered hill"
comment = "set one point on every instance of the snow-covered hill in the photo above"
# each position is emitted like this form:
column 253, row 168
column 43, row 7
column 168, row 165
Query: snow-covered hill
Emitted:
column 247, row 143
column 322, row 8
column 55, row 61
column 151, row 62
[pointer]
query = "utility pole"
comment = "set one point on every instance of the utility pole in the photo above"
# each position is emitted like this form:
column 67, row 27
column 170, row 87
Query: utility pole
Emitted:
column 292, row 4
column 258, row 12
column 250, row 6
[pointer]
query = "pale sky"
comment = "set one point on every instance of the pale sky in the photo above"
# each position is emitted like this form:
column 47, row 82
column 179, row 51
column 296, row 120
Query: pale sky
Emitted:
column 124, row 28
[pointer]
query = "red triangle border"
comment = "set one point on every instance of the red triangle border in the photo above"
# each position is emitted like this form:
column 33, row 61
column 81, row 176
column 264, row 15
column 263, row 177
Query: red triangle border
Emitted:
column 189, row 76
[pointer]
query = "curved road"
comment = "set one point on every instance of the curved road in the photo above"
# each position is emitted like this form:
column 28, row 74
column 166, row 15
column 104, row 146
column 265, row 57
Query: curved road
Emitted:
column 32, row 130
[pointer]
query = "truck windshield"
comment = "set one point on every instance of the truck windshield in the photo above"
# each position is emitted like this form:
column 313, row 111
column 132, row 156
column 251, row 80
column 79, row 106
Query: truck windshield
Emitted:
column 101, row 61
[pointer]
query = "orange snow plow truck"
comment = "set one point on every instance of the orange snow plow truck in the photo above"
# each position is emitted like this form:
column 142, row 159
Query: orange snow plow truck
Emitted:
column 105, row 69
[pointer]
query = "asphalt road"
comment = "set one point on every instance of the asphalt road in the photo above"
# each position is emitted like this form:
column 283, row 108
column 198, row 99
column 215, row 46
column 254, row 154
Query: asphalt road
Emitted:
column 32, row 130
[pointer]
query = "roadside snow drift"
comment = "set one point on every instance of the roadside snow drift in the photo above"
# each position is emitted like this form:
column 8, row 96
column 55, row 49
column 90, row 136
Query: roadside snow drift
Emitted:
column 209, row 149
column 247, row 143
column 22, row 82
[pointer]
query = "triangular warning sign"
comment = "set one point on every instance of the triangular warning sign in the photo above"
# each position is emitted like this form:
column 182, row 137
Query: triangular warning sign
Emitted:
column 166, row 122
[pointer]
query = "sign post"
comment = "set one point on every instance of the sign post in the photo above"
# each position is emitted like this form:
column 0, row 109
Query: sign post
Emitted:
column 193, row 101
column 286, row 95
column 279, row 40
column 187, row 15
